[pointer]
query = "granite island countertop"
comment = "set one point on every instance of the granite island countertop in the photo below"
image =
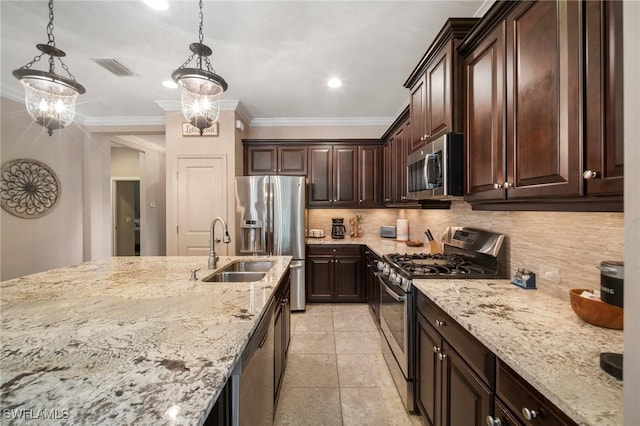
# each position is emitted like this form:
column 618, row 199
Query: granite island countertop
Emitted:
column 535, row 333
column 125, row 340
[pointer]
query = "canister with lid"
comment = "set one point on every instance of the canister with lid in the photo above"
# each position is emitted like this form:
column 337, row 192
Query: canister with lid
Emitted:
column 612, row 282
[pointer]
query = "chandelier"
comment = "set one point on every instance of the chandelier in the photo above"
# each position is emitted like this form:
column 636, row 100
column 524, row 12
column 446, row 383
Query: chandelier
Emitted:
column 49, row 97
column 201, row 87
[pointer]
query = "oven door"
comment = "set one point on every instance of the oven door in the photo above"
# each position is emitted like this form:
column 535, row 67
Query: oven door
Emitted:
column 395, row 322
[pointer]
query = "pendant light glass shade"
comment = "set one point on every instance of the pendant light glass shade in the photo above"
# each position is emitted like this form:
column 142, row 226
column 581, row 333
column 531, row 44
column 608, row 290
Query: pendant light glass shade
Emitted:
column 200, row 87
column 50, row 103
column 50, row 98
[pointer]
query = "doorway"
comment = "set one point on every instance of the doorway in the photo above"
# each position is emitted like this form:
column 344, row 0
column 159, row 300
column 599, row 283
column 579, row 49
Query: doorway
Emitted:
column 126, row 218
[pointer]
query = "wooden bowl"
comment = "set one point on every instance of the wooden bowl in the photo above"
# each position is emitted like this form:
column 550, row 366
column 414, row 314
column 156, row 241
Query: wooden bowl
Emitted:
column 595, row 311
column 414, row 243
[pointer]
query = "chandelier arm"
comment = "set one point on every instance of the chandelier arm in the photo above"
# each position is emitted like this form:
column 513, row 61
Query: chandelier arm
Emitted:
column 66, row 68
column 209, row 66
column 33, row 61
column 189, row 59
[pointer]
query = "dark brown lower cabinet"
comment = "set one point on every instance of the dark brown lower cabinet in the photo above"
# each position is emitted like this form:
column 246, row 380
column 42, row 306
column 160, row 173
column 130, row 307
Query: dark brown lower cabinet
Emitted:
column 220, row 414
column 281, row 335
column 448, row 391
column 372, row 286
column 459, row 382
column 334, row 273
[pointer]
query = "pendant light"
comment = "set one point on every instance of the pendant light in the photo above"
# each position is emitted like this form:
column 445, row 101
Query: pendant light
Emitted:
column 201, row 88
column 49, row 97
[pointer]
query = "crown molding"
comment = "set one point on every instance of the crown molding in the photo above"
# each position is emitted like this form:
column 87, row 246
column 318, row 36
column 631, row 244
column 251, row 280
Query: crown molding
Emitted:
column 123, row 121
column 321, row 121
column 173, row 105
column 135, row 142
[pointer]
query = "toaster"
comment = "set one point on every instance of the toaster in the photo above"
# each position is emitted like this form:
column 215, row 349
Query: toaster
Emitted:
column 388, row 231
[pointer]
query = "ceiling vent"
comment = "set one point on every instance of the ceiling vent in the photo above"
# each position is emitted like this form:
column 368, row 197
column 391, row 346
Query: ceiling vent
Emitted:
column 114, row 66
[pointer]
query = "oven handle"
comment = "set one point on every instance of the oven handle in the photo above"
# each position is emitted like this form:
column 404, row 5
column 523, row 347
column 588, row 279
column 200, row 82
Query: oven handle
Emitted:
column 393, row 293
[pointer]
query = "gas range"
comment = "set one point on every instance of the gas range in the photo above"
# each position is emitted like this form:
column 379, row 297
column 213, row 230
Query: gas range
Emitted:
column 468, row 253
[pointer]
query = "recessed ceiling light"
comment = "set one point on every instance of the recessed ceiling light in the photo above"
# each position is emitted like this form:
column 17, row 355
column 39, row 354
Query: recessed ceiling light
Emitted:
column 334, row 82
column 170, row 84
column 157, row 4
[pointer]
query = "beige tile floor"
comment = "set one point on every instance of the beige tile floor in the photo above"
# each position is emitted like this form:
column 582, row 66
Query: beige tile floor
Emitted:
column 336, row 374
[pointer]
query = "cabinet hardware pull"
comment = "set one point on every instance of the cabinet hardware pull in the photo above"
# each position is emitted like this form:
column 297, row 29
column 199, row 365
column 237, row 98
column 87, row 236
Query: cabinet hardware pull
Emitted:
column 507, row 185
column 529, row 414
column 493, row 421
column 441, row 356
column 590, row 174
column 439, row 323
column 436, row 349
column 497, row 186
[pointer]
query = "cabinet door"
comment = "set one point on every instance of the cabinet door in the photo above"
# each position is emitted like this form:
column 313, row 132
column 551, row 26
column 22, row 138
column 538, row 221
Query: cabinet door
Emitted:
column 604, row 96
column 399, row 164
column 484, row 118
column 320, row 176
column 544, row 108
column 418, row 115
column 262, row 160
column 319, row 278
column 428, row 375
column 368, row 182
column 345, row 175
column 347, row 279
column 466, row 400
column 388, row 178
column 278, row 353
column 438, row 107
column 292, row 160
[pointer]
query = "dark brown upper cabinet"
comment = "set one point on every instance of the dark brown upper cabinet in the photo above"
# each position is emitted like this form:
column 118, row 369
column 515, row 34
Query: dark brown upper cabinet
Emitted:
column 543, row 106
column 435, row 86
column 263, row 159
column 603, row 171
column 394, row 172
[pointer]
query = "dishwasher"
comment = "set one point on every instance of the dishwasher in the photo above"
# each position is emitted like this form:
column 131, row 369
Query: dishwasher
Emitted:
column 253, row 378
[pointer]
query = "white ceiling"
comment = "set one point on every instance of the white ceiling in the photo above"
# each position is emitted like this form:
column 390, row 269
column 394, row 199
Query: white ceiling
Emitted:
column 275, row 55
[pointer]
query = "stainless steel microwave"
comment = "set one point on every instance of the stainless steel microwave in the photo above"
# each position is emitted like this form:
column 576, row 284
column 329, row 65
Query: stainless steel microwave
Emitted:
column 436, row 171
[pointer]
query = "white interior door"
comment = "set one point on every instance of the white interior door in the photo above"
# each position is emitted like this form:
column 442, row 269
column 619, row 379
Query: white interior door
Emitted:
column 202, row 195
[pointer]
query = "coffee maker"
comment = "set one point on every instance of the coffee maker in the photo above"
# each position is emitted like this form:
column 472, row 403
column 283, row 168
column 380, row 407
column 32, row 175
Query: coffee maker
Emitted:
column 337, row 228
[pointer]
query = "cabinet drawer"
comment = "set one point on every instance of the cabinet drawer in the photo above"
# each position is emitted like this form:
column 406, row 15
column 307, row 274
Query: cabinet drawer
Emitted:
column 333, row 250
column 479, row 358
column 521, row 398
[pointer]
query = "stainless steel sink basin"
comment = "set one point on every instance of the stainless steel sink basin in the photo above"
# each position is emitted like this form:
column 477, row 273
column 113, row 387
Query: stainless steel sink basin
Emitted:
column 248, row 266
column 234, row 277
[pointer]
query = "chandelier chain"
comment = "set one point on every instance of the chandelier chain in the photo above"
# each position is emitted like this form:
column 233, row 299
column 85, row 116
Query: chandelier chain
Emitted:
column 189, row 59
column 66, row 68
column 33, row 61
column 201, row 16
column 52, row 40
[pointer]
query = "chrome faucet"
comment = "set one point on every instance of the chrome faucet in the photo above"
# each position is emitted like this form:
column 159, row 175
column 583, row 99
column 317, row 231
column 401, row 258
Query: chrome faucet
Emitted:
column 213, row 258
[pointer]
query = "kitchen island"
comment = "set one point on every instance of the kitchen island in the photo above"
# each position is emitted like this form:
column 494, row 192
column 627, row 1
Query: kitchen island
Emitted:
column 128, row 340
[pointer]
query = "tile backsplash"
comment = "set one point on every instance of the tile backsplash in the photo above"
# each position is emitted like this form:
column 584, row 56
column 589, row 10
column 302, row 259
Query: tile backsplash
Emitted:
column 571, row 242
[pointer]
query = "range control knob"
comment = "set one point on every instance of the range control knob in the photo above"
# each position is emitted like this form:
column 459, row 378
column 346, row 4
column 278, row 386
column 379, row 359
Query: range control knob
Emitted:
column 386, row 271
column 380, row 265
column 398, row 280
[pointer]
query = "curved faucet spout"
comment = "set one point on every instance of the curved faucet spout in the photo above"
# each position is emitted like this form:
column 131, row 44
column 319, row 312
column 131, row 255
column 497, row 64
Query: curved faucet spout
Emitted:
column 213, row 258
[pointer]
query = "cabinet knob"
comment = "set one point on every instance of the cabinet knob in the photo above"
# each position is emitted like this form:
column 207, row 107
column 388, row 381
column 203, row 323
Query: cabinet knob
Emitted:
column 507, row 185
column 529, row 414
column 274, row 170
column 425, row 137
column 590, row 174
column 497, row 186
column 441, row 356
column 436, row 349
column 387, row 200
column 360, row 201
column 439, row 323
column 491, row 421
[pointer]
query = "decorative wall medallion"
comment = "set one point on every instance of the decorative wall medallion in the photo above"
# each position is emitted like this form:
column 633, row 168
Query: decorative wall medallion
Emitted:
column 28, row 188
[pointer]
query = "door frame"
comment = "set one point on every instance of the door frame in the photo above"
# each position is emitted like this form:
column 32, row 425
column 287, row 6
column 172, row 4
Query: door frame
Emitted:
column 114, row 194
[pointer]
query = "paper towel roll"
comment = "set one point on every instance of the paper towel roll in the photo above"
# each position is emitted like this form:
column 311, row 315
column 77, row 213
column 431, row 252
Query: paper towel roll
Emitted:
column 402, row 227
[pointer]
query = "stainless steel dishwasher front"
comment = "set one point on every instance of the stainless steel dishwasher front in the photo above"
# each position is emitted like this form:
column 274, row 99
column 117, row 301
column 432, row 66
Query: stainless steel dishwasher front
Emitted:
column 253, row 377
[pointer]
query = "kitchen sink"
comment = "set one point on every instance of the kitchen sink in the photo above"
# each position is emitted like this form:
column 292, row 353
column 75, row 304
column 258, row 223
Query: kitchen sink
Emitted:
column 248, row 266
column 234, row 277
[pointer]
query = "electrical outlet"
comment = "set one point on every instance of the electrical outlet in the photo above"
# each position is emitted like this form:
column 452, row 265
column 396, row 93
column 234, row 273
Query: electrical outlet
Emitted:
column 550, row 273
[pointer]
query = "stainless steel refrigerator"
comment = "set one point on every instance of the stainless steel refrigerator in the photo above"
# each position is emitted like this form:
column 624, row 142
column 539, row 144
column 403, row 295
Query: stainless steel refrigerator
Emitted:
column 270, row 221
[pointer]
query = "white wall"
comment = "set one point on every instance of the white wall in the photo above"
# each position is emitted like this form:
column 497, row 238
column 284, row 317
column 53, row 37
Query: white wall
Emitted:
column 153, row 219
column 125, row 162
column 54, row 240
column 631, row 17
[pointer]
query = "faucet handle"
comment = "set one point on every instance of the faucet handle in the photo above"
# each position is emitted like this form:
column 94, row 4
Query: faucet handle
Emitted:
column 194, row 277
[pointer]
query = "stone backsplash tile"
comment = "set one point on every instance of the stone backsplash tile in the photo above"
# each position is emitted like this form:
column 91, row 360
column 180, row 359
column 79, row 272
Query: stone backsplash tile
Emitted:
column 574, row 243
